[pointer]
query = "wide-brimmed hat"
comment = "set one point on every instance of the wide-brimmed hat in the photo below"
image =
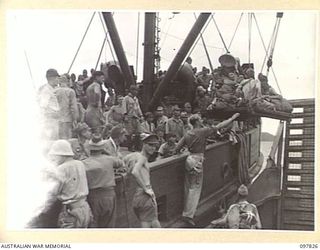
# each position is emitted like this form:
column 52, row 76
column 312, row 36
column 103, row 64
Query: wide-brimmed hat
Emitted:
column 81, row 126
column 149, row 138
column 243, row 190
column 227, row 60
column 61, row 147
column 96, row 143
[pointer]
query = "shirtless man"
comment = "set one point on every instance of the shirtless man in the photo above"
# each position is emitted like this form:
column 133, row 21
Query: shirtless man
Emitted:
column 144, row 200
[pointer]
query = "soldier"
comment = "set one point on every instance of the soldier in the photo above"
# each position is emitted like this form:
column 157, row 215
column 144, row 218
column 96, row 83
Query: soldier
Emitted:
column 94, row 116
column 133, row 115
column 101, row 183
column 72, row 187
column 49, row 106
column 241, row 215
column 144, row 200
column 195, row 140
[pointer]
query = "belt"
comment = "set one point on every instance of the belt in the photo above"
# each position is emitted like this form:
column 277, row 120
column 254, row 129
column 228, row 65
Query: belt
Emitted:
column 75, row 204
column 101, row 190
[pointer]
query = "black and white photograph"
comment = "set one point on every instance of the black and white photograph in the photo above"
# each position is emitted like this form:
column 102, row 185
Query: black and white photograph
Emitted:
column 189, row 120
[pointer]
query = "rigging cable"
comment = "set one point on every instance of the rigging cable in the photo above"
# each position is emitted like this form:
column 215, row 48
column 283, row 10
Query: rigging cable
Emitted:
column 249, row 36
column 205, row 47
column 224, row 44
column 75, row 56
column 234, row 34
column 30, row 72
column 137, row 49
column 198, row 38
column 266, row 50
column 106, row 32
column 104, row 41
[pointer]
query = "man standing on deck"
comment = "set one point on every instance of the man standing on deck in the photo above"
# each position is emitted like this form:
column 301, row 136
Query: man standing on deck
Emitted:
column 68, row 108
column 72, row 188
column 101, row 182
column 133, row 115
column 144, row 200
column 195, row 140
column 49, row 106
column 94, row 116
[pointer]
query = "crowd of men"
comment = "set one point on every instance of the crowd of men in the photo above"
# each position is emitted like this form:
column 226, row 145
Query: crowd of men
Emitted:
column 86, row 132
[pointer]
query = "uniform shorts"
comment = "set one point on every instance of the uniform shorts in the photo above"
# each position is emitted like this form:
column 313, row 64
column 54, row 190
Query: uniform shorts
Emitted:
column 144, row 207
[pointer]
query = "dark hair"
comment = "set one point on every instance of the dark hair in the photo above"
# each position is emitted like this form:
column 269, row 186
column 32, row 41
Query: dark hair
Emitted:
column 97, row 73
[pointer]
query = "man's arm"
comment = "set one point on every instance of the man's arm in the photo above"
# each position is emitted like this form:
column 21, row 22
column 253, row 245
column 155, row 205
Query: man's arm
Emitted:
column 180, row 145
column 137, row 173
column 228, row 121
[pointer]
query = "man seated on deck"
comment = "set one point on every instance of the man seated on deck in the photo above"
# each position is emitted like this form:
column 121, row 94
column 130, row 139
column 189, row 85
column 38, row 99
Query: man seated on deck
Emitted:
column 195, row 140
column 241, row 215
column 144, row 201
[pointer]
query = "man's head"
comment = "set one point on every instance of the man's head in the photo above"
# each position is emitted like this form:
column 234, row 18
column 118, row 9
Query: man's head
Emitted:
column 73, row 77
column 118, row 133
column 150, row 143
column 64, row 81
column 184, row 117
column 98, row 76
column 159, row 111
column 85, row 73
column 134, row 90
column 187, row 107
column 60, row 151
column 201, row 91
column 176, row 112
column 250, row 73
column 196, row 120
column 119, row 99
column 205, row 71
column 243, row 191
column 83, row 130
column 171, row 138
column 52, row 77
column 92, row 72
column 189, row 60
column 149, row 117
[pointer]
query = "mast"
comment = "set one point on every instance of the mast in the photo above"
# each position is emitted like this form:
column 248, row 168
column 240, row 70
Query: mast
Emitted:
column 149, row 56
column 117, row 45
column 182, row 53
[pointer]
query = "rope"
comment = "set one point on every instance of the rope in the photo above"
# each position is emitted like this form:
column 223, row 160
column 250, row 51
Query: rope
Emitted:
column 30, row 72
column 198, row 38
column 266, row 50
column 106, row 32
column 249, row 36
column 270, row 42
column 234, row 34
column 75, row 56
column 205, row 47
column 104, row 41
column 224, row 44
column 137, row 49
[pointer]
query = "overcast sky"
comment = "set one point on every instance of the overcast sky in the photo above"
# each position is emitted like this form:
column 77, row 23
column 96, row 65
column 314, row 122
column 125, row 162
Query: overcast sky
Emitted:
column 49, row 39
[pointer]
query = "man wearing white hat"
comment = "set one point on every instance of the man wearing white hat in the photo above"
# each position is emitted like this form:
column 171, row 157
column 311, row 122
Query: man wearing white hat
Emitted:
column 72, row 190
